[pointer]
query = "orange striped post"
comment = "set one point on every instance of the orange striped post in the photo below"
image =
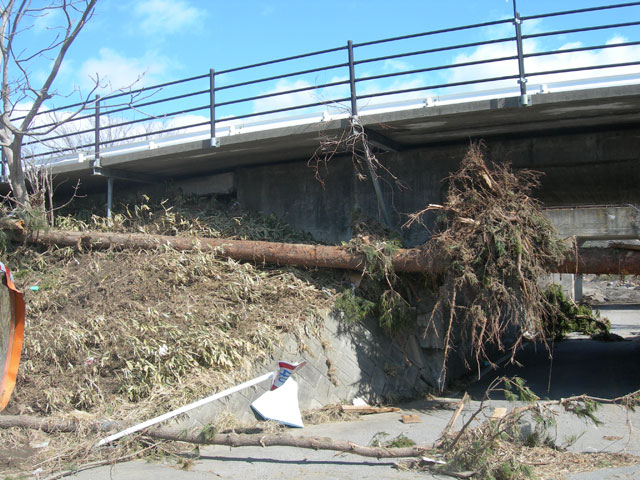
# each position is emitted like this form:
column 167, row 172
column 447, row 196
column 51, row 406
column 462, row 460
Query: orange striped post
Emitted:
column 12, row 324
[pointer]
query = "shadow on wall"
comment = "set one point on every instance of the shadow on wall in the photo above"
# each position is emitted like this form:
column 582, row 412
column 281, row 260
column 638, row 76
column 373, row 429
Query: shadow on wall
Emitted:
column 391, row 369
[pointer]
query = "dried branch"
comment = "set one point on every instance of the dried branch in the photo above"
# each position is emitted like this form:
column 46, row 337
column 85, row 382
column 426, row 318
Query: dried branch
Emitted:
column 286, row 440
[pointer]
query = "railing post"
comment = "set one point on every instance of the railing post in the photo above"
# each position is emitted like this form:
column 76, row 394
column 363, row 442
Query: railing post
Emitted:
column 352, row 81
column 212, row 106
column 96, row 148
column 109, row 199
column 523, row 79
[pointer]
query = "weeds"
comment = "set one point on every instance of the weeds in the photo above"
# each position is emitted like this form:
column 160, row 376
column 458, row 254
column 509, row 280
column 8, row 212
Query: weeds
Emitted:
column 567, row 317
column 399, row 441
column 353, row 307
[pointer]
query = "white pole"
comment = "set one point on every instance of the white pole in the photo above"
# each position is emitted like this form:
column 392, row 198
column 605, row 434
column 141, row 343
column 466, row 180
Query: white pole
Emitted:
column 186, row 408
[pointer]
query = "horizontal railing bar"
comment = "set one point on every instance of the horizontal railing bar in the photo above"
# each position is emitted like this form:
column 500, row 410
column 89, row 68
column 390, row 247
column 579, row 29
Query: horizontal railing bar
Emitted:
column 433, row 32
column 580, row 49
column 433, row 69
column 69, row 121
column 582, row 69
column 579, row 30
column 86, row 105
column 154, row 102
column 435, row 50
column 61, row 150
column 581, row 10
column 287, row 109
column 152, row 87
column 150, row 134
column 154, row 117
column 286, row 92
column 432, row 87
column 91, row 103
column 280, row 60
column 58, row 137
column 278, row 77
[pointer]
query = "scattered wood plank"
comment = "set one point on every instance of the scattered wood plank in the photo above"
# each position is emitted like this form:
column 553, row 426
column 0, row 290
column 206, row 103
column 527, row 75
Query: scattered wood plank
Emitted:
column 411, row 419
column 498, row 413
column 456, row 414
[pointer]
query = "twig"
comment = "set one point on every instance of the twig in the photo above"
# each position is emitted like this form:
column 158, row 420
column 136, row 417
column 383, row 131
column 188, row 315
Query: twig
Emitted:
column 100, row 463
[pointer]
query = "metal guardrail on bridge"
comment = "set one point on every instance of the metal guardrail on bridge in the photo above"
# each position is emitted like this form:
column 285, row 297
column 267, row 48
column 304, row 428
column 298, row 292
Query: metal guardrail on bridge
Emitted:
column 345, row 80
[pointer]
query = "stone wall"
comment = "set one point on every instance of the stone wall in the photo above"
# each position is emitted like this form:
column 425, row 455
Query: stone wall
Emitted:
column 343, row 362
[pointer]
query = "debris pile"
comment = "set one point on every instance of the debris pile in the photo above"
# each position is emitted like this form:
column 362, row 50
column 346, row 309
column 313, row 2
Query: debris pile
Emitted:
column 497, row 244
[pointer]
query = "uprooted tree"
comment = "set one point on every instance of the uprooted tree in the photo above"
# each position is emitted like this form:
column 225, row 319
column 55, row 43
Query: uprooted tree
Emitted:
column 493, row 244
column 22, row 99
column 497, row 244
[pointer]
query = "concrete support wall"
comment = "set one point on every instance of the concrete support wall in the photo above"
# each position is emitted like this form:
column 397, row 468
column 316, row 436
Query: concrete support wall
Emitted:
column 343, row 362
column 292, row 192
column 578, row 169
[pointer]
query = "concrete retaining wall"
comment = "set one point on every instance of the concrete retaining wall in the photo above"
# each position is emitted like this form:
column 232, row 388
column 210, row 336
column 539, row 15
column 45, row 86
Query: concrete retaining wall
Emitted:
column 343, row 362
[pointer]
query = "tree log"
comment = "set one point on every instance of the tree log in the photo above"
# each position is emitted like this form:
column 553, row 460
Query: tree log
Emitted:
column 404, row 260
column 48, row 425
column 589, row 260
column 287, row 440
column 230, row 439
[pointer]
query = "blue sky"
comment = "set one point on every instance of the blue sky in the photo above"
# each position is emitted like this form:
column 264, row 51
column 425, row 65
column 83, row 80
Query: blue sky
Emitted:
column 170, row 39
column 157, row 41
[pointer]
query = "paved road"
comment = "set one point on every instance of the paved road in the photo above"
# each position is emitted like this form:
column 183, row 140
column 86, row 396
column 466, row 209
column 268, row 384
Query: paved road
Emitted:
column 579, row 366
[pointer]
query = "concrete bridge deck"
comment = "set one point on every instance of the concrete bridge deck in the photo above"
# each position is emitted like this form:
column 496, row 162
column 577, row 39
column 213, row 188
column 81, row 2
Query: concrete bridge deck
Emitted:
column 548, row 114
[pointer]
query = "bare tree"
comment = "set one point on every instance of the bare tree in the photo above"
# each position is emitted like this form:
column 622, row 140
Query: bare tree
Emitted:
column 18, row 84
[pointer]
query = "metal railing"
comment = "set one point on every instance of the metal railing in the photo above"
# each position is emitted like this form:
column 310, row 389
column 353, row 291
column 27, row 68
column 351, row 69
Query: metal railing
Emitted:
column 347, row 80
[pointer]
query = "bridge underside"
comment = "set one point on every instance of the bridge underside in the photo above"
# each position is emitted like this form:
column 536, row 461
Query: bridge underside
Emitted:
column 586, row 143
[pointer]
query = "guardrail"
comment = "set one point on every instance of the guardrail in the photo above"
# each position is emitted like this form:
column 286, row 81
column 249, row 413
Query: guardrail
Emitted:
column 345, row 79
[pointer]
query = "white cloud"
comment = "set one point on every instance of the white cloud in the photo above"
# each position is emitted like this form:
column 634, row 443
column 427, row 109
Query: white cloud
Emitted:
column 584, row 59
column 120, row 72
column 396, row 65
column 158, row 17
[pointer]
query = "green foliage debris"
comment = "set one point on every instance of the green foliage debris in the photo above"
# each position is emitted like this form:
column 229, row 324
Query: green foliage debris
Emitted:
column 566, row 316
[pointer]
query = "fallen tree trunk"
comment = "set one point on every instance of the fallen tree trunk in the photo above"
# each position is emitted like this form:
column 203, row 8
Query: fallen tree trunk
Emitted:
column 585, row 260
column 405, row 260
column 601, row 261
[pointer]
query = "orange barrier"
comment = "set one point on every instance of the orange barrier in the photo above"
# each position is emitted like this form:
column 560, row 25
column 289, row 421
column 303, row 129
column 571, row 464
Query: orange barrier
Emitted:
column 16, row 335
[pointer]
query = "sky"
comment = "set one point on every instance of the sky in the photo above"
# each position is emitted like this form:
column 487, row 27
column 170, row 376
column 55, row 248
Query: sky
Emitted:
column 145, row 42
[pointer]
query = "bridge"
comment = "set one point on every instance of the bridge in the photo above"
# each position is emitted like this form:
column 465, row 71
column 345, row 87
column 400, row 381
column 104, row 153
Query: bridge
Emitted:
column 564, row 100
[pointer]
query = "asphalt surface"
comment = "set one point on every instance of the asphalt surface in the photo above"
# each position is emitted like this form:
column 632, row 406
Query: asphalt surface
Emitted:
column 579, row 365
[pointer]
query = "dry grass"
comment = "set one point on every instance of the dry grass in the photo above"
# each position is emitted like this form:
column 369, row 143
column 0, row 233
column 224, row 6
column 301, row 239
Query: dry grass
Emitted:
column 123, row 336
column 175, row 214
column 135, row 325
